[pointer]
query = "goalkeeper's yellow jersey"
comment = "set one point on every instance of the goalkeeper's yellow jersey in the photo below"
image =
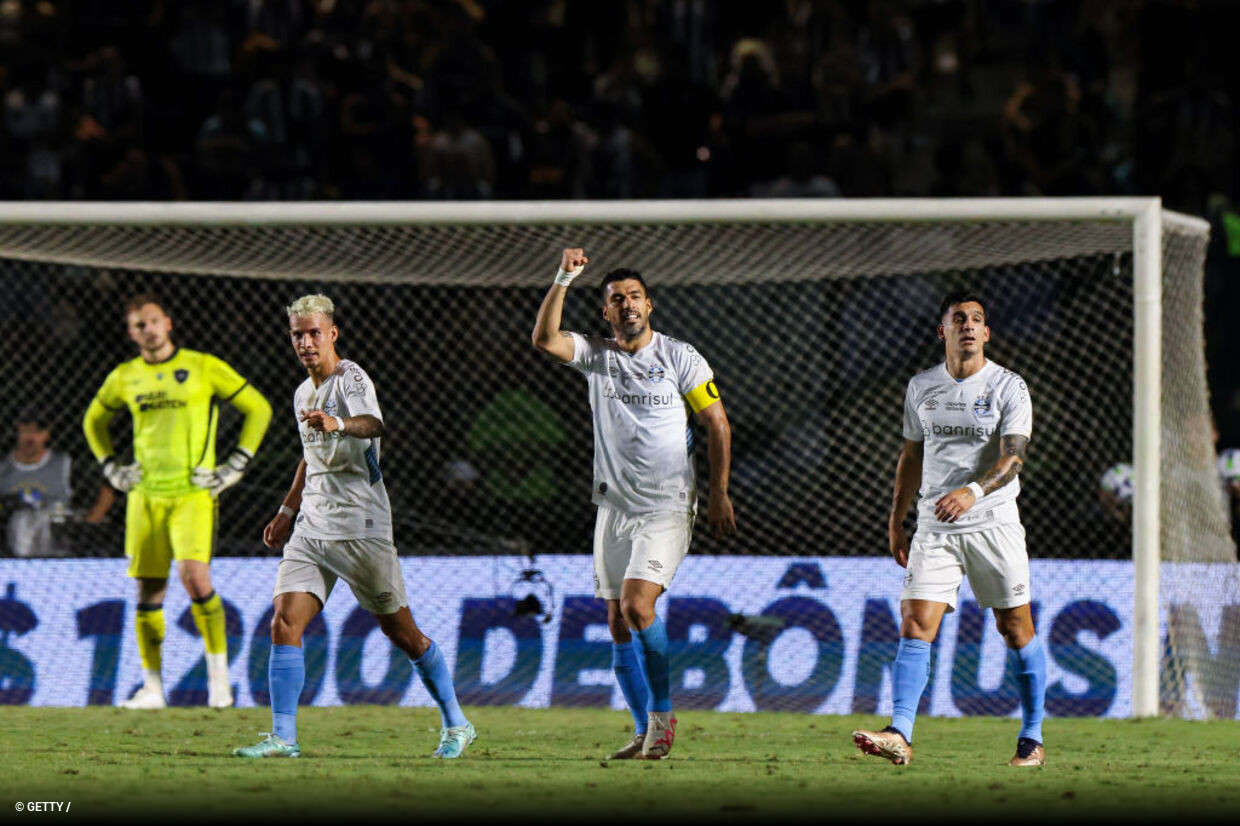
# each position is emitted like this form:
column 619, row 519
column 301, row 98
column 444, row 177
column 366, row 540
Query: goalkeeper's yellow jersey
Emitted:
column 174, row 408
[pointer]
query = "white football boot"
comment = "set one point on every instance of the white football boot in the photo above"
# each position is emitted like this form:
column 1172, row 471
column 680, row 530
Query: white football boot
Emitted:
column 147, row 698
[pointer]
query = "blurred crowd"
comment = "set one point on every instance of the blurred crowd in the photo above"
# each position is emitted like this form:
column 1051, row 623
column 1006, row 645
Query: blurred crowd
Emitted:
column 507, row 99
column 457, row 99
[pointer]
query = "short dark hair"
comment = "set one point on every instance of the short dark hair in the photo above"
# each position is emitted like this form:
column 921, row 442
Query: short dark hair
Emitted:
column 622, row 274
column 960, row 297
column 137, row 302
column 37, row 416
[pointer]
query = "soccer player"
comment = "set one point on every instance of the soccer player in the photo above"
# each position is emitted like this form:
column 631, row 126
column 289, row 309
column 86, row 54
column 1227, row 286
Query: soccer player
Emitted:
column 343, row 529
column 174, row 482
column 641, row 385
column 967, row 424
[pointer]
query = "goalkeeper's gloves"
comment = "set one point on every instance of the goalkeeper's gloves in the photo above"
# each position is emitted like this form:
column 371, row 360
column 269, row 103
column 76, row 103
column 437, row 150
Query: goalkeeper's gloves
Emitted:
column 224, row 476
column 121, row 477
column 565, row 277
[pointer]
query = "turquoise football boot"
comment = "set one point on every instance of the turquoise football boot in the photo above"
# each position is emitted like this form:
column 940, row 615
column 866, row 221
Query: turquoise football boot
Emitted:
column 454, row 740
column 269, row 746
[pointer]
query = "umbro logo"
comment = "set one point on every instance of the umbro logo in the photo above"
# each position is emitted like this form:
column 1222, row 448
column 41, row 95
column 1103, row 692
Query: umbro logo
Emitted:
column 1018, row 589
column 655, row 565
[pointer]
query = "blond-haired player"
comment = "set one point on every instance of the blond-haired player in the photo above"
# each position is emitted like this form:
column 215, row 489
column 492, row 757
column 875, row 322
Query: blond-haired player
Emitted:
column 340, row 520
column 173, row 483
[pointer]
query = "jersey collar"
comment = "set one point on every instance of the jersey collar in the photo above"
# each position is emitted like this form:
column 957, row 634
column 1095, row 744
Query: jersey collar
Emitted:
column 175, row 350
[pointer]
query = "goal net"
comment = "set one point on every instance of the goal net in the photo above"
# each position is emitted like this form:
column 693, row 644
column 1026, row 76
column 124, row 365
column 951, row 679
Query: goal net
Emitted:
column 813, row 316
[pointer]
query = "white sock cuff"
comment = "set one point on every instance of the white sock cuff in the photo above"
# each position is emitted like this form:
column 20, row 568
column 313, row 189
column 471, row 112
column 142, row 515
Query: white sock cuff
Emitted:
column 217, row 665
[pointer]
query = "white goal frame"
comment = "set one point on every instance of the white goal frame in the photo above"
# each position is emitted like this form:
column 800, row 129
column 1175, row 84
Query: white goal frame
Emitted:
column 1145, row 214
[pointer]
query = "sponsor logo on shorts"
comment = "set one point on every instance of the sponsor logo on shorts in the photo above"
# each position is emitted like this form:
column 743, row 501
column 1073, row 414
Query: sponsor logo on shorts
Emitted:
column 1018, row 589
column 384, row 598
column 908, row 578
column 655, row 565
column 602, row 487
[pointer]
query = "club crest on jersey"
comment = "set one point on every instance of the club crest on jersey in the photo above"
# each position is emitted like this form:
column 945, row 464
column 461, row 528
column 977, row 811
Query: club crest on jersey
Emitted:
column 656, row 372
column 181, row 375
column 981, row 407
column 329, row 407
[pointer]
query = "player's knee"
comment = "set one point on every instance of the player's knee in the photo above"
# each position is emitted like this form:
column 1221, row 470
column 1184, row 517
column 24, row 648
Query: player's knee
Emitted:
column 1016, row 632
column 914, row 629
column 636, row 612
column 284, row 631
column 404, row 636
column 197, row 584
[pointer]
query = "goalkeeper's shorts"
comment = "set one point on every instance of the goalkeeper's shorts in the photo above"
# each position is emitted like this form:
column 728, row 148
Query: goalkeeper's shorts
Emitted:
column 370, row 566
column 994, row 560
column 159, row 529
column 647, row 546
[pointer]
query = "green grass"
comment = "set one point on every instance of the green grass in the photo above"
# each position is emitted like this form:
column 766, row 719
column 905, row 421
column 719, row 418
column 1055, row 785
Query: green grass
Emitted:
column 369, row 763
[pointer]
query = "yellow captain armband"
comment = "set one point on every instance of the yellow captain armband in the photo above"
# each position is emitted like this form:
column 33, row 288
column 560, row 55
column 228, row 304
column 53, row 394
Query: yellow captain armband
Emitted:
column 703, row 396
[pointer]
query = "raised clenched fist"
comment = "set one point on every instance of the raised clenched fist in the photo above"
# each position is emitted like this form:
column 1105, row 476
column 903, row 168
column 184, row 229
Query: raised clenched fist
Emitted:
column 571, row 264
column 573, row 258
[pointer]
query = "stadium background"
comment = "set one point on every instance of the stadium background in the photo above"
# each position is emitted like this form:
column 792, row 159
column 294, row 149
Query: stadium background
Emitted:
column 477, row 100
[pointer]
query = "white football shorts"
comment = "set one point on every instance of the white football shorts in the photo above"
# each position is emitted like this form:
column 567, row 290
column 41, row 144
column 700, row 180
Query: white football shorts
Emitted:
column 994, row 560
column 370, row 566
column 647, row 546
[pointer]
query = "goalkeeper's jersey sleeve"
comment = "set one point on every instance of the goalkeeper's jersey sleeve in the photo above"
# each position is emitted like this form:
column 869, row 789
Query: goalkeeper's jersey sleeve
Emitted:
column 174, row 410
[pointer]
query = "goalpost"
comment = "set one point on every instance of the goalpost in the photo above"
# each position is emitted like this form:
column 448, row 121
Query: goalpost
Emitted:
column 765, row 272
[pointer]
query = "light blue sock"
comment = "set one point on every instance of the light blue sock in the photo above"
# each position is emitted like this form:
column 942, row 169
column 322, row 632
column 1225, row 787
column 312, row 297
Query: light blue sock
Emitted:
column 909, row 675
column 626, row 662
column 286, row 674
column 654, row 643
column 438, row 681
column 1031, row 677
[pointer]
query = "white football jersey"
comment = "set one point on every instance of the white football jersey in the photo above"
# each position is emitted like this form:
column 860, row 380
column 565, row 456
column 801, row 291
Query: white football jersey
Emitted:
column 344, row 496
column 643, row 441
column 960, row 423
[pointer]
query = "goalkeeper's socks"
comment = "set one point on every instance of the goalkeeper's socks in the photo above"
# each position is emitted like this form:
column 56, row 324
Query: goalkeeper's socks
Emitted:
column 1031, row 677
column 209, row 617
column 626, row 662
column 909, row 675
column 286, row 674
column 438, row 681
column 149, row 625
column 654, row 643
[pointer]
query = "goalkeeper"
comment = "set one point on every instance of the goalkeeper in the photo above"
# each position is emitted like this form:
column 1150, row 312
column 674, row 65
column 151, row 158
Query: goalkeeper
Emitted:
column 174, row 481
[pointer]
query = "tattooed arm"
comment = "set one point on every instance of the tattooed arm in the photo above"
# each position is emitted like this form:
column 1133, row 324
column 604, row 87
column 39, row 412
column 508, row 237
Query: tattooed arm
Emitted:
column 1011, row 459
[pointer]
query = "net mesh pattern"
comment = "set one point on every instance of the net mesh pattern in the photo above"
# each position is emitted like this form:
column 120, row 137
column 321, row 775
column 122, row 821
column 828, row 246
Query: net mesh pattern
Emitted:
column 813, row 331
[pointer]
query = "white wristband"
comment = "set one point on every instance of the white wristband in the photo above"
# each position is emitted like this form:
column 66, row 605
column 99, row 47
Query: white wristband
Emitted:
column 978, row 493
column 340, row 425
column 287, row 511
column 565, row 277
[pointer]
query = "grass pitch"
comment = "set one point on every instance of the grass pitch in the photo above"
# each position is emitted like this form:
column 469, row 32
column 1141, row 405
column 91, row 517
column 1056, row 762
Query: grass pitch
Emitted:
column 371, row 763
